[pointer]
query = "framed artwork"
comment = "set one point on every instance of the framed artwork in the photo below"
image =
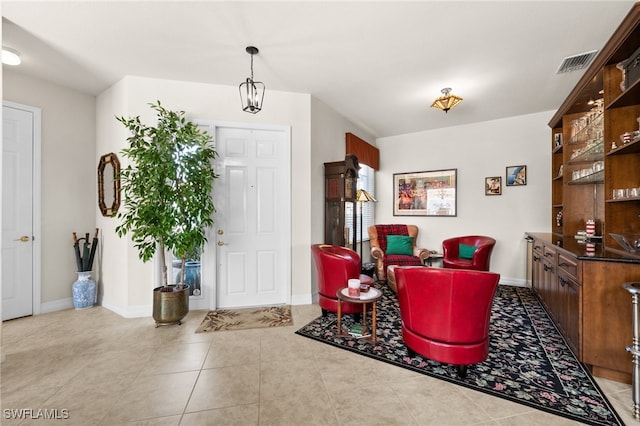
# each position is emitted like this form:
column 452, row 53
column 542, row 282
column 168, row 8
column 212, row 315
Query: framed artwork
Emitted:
column 557, row 138
column 493, row 185
column 516, row 175
column 430, row 193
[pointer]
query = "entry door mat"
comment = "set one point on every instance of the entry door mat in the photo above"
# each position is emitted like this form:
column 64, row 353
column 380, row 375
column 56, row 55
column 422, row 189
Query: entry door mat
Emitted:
column 529, row 361
column 244, row 319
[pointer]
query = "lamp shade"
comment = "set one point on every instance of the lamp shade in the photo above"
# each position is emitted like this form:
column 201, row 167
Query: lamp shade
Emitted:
column 446, row 101
column 364, row 196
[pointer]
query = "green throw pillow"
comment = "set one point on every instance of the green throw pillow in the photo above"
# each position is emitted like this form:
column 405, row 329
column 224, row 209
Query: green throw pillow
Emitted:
column 400, row 244
column 466, row 251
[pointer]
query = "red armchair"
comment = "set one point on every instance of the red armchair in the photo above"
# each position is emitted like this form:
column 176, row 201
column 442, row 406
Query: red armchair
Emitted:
column 445, row 313
column 469, row 252
column 378, row 239
column 335, row 265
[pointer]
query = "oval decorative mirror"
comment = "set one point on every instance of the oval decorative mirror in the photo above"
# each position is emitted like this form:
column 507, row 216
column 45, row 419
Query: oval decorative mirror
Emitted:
column 109, row 184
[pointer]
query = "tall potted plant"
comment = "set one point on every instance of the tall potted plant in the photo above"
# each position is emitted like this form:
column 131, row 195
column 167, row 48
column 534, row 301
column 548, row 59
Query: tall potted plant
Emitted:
column 168, row 204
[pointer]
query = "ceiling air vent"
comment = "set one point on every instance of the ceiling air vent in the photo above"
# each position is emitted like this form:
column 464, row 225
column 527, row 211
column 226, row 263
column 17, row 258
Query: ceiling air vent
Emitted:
column 576, row 62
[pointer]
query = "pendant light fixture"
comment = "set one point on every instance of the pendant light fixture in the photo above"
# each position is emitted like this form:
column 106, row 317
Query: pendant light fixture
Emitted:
column 251, row 92
column 446, row 101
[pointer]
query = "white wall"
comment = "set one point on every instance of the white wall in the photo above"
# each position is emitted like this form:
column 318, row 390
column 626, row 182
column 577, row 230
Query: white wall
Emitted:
column 69, row 177
column 477, row 151
column 328, row 135
column 130, row 97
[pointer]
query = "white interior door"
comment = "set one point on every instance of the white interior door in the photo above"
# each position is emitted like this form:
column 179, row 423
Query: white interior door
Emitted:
column 252, row 220
column 17, row 212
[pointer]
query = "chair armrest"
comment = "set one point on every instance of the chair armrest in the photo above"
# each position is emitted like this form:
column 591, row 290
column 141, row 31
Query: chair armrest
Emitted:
column 377, row 253
column 422, row 253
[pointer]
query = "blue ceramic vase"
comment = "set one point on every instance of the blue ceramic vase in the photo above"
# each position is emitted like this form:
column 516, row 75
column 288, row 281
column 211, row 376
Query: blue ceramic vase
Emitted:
column 84, row 291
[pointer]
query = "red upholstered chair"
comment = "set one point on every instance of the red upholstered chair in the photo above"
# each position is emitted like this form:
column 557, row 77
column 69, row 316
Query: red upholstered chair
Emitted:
column 445, row 313
column 469, row 252
column 378, row 237
column 335, row 266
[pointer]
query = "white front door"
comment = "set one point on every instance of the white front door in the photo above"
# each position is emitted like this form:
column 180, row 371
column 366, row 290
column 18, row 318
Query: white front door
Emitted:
column 17, row 212
column 252, row 198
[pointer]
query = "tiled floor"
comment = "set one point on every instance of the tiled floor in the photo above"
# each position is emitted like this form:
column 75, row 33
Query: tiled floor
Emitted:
column 102, row 369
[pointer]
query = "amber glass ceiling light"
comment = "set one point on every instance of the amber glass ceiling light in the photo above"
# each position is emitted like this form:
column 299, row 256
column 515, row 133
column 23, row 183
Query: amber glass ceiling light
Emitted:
column 251, row 92
column 446, row 101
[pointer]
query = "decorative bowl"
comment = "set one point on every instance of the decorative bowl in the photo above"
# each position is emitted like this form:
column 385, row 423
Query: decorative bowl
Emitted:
column 629, row 242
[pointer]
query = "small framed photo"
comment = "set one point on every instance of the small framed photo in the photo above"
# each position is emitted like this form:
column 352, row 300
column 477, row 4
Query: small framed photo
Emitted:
column 558, row 140
column 493, row 185
column 516, row 175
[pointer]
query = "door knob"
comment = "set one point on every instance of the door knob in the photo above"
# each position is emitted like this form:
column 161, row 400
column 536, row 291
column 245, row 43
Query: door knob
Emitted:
column 220, row 232
column 24, row 239
column 221, row 243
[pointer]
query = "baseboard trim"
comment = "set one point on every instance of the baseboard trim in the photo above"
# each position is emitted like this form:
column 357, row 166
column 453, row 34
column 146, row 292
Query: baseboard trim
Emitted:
column 56, row 305
column 138, row 311
column 517, row 282
column 304, row 299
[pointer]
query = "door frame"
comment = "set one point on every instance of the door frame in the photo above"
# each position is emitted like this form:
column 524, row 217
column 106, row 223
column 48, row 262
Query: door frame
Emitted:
column 37, row 200
column 210, row 257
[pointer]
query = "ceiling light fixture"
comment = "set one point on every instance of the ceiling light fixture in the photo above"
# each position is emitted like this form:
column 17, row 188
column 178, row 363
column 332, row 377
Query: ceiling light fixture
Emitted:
column 10, row 56
column 251, row 92
column 446, row 101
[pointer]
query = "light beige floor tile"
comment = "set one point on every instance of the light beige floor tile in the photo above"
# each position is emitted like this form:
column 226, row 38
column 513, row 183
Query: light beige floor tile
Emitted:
column 154, row 396
column 96, row 363
column 225, row 387
column 302, row 409
column 433, row 402
column 276, row 380
column 241, row 415
column 371, row 405
column 233, row 352
column 24, row 398
column 176, row 357
column 86, row 402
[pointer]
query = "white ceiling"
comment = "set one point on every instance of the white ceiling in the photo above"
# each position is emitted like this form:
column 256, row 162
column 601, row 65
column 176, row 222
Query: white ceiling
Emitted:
column 380, row 64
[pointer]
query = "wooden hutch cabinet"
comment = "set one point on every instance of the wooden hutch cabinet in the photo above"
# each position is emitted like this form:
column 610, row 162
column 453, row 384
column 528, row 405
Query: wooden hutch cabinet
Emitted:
column 340, row 181
column 594, row 171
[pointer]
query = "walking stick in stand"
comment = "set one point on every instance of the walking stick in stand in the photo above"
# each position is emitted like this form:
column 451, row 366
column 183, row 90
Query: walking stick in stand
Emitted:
column 76, row 248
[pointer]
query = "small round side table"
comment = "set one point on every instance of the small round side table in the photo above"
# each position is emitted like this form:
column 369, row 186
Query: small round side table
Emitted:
column 372, row 296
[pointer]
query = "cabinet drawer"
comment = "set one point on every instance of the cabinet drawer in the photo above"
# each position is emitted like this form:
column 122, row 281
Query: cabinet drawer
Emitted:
column 538, row 247
column 569, row 265
column 549, row 252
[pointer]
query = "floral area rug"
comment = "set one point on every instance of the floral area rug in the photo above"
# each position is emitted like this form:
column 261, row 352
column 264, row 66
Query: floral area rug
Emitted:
column 529, row 361
column 243, row 319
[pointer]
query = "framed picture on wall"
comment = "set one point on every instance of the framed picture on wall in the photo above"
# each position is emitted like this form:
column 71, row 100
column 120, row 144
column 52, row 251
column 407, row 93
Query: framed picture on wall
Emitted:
column 430, row 193
column 493, row 185
column 516, row 175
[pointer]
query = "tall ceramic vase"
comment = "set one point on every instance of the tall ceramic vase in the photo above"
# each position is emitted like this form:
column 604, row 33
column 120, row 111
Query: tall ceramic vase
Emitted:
column 84, row 291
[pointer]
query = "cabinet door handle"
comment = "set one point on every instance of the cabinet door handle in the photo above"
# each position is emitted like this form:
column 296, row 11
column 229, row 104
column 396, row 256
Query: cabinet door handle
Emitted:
column 537, row 247
column 536, row 258
column 563, row 282
column 547, row 267
column 548, row 255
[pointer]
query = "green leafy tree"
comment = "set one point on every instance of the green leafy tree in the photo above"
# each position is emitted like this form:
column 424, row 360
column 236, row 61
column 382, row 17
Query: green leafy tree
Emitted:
column 167, row 187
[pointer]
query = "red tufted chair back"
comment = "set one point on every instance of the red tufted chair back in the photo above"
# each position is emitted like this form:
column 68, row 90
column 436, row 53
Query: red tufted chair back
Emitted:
column 335, row 266
column 445, row 313
column 481, row 256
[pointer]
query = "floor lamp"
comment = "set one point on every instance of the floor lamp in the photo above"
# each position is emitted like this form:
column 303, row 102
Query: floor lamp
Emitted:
column 362, row 196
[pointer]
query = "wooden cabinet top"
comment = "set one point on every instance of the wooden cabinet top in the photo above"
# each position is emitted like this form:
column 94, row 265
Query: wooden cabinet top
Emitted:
column 570, row 246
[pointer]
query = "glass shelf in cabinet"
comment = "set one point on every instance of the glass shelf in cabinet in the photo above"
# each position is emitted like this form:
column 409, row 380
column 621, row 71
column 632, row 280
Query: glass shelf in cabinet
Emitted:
column 592, row 152
column 583, row 134
column 597, row 177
